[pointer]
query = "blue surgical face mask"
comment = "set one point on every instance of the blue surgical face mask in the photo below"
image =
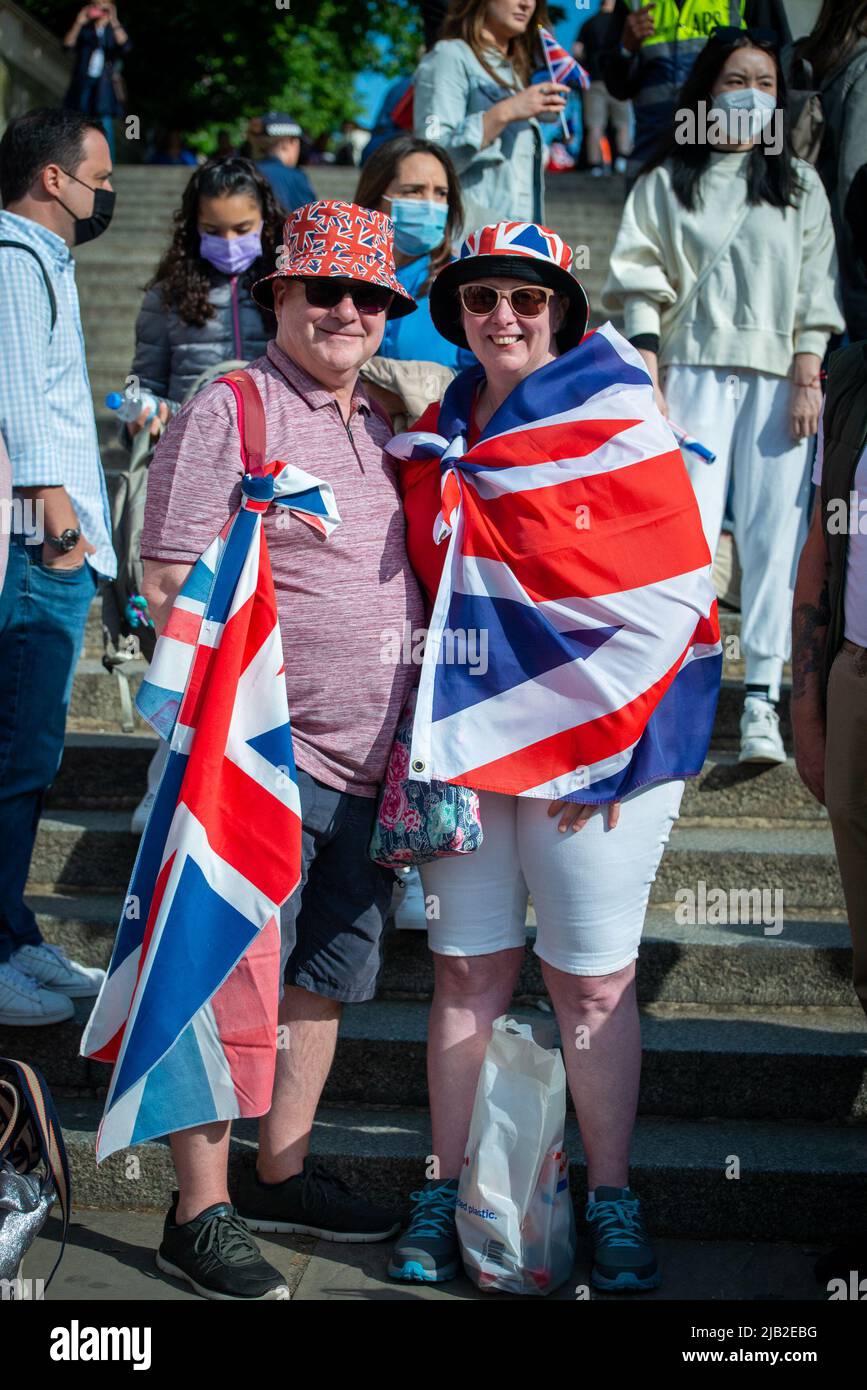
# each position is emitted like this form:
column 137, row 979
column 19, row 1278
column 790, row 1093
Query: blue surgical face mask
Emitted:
column 419, row 225
column 761, row 105
column 231, row 255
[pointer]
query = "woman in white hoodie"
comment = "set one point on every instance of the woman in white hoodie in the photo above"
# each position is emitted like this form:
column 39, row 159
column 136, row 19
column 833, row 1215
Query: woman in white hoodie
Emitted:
column 724, row 269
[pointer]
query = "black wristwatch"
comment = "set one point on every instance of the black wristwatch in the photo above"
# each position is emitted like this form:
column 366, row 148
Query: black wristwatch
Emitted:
column 67, row 540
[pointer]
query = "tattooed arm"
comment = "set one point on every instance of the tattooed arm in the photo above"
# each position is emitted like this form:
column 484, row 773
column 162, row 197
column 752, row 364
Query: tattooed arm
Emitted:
column 810, row 620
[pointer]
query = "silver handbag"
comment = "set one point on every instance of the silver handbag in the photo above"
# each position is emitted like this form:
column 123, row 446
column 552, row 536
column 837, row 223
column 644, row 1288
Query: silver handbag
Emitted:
column 33, row 1164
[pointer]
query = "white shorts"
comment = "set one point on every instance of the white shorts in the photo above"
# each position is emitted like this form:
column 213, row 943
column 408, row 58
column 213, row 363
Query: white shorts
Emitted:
column 590, row 887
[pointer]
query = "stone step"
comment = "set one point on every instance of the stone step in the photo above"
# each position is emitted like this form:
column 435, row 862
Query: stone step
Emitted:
column 107, row 769
column 797, row 865
column 95, row 701
column 734, row 1062
column 94, row 705
column 102, row 771
column 95, row 850
column 800, row 1182
column 737, row 1062
column 808, row 963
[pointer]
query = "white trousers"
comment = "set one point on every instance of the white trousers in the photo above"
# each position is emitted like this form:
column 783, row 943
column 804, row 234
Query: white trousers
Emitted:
column 590, row 887
column 744, row 417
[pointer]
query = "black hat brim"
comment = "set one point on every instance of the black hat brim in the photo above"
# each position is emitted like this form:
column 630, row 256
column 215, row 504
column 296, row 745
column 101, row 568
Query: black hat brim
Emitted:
column 445, row 305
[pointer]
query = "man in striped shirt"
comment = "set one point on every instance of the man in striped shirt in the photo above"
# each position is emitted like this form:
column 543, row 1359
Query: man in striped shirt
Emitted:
column 55, row 173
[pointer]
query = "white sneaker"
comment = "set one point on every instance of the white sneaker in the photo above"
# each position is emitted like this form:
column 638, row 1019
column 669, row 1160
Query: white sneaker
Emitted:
column 52, row 968
column 760, row 733
column 23, row 1004
column 141, row 813
column 409, row 914
column 620, row 164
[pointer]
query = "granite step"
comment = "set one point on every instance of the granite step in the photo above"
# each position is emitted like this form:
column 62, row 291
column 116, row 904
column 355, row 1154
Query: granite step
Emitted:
column 796, row 1181
column 95, row 850
column 105, row 768
column 808, row 963
column 699, row 1061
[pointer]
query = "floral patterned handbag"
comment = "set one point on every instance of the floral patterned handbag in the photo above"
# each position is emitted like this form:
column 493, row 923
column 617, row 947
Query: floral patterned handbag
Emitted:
column 420, row 821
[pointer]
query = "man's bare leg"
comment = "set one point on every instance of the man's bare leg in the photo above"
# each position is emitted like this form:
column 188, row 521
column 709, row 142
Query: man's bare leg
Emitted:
column 201, row 1158
column 302, row 1070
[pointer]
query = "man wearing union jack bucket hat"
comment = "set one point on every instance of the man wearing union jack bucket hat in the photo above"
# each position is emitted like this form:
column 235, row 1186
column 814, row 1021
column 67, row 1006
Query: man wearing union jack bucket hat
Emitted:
column 332, row 576
column 337, row 240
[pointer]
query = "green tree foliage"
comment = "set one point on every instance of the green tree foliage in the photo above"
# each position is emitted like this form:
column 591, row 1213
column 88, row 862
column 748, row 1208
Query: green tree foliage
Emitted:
column 199, row 63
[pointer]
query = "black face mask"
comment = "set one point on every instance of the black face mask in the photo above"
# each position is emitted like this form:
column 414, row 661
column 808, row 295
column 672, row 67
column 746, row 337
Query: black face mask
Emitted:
column 88, row 228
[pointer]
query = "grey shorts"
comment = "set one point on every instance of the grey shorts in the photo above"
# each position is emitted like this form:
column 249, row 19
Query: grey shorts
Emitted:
column 331, row 927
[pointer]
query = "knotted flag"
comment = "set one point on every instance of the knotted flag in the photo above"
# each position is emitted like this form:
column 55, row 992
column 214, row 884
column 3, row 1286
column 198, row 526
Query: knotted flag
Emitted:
column 576, row 559
column 188, row 1010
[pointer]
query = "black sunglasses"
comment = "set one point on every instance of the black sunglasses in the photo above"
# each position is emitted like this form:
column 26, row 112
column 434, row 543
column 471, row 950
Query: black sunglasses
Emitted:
column 325, row 293
column 728, row 33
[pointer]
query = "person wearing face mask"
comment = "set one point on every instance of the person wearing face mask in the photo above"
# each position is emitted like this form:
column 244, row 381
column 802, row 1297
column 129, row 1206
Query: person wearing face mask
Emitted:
column 414, row 182
column 55, row 185
column 198, row 312
column 651, row 47
column 725, row 271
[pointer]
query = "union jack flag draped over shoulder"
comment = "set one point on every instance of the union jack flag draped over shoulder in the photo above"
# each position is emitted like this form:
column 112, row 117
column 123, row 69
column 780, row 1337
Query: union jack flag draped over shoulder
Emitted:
column 188, row 1010
column 560, row 64
column 575, row 548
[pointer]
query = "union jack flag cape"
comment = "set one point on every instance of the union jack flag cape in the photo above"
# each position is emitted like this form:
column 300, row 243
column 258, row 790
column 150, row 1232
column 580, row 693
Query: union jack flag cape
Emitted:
column 188, row 1010
column 575, row 550
column 561, row 65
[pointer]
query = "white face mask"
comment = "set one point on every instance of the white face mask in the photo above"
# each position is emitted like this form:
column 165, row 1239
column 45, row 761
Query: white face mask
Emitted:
column 759, row 108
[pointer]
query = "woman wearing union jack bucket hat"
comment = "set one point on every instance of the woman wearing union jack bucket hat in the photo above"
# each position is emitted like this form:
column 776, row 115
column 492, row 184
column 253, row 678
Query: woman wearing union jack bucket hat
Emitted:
column 570, row 680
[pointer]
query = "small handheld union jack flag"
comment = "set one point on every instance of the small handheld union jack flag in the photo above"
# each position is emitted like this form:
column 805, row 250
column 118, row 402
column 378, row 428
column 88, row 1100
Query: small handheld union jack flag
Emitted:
column 561, row 65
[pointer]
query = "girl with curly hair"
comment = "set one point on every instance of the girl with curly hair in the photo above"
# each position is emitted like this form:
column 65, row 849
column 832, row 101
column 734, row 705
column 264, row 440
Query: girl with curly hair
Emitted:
column 197, row 309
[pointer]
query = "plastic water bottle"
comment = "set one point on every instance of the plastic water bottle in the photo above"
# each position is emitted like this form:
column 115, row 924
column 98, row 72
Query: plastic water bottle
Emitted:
column 129, row 408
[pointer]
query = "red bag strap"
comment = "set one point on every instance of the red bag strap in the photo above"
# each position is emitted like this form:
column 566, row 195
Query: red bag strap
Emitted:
column 251, row 419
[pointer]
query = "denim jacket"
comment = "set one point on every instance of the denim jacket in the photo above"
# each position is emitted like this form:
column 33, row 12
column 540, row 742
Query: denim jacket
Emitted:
column 452, row 93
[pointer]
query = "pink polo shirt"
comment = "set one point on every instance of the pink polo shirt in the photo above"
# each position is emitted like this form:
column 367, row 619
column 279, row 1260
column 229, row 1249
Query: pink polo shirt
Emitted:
column 340, row 601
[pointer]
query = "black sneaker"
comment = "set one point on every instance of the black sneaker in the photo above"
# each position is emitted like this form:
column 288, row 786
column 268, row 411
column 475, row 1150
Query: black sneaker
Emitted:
column 428, row 1251
column 313, row 1203
column 215, row 1255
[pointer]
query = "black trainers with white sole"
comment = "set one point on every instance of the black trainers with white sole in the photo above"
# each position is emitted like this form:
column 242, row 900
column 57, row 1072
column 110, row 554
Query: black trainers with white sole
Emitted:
column 313, row 1203
column 216, row 1256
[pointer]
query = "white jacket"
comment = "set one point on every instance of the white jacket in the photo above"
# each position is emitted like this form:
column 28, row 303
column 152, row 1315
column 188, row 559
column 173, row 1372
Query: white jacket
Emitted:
column 772, row 294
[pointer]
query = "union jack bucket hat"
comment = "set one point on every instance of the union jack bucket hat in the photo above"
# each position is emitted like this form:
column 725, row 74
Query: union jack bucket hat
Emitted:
column 515, row 250
column 332, row 238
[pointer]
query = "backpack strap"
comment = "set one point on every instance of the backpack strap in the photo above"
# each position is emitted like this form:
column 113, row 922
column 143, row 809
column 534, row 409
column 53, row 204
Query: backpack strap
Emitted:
column 251, row 419
column 38, row 1110
column 52, row 298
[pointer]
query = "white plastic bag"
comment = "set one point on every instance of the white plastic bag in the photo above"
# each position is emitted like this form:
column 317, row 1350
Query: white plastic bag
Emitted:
column 516, row 1224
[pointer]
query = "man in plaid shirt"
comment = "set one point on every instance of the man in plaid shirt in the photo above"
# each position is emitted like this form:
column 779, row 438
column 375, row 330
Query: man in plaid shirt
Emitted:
column 55, row 173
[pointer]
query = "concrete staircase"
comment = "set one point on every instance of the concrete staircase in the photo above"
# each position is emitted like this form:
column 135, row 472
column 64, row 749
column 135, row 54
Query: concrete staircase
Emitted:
column 753, row 1107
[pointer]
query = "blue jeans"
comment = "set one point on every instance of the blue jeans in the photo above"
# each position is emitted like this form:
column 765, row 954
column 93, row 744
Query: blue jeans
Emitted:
column 42, row 618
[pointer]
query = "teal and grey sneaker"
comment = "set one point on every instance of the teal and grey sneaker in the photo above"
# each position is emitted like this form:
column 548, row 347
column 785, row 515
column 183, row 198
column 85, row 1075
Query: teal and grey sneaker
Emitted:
column 428, row 1251
column 623, row 1258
